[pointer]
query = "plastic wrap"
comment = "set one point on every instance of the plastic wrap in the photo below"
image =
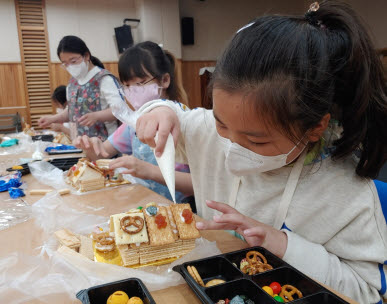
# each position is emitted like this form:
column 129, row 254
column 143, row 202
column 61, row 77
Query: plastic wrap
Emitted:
column 51, row 273
column 124, row 113
column 24, row 144
column 13, row 212
column 48, row 174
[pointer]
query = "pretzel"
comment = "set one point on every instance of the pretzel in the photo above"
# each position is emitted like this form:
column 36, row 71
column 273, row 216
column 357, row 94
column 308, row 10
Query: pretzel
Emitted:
column 259, row 268
column 135, row 221
column 103, row 238
column 288, row 291
column 254, row 257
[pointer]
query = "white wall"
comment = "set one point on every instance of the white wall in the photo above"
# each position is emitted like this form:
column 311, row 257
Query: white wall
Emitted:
column 92, row 20
column 374, row 14
column 9, row 50
column 160, row 23
column 215, row 21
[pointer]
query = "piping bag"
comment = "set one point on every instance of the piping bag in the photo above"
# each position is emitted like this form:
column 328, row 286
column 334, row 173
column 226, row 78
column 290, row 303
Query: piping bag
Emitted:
column 166, row 164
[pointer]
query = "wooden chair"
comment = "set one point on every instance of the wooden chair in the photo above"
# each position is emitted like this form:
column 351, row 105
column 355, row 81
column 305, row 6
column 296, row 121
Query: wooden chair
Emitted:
column 10, row 123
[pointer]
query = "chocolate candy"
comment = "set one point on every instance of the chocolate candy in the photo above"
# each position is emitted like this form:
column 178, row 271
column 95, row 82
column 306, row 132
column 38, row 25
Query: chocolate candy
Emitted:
column 279, row 299
column 276, row 287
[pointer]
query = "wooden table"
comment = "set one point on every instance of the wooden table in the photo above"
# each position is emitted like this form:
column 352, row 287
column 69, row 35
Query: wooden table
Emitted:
column 104, row 203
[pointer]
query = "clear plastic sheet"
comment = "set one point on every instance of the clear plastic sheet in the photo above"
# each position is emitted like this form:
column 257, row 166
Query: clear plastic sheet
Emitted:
column 13, row 212
column 49, row 273
column 50, row 175
column 24, row 144
column 124, row 113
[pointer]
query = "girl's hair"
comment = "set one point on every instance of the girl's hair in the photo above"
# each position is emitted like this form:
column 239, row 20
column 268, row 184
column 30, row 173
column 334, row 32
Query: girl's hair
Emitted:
column 296, row 69
column 149, row 57
column 74, row 44
column 59, row 95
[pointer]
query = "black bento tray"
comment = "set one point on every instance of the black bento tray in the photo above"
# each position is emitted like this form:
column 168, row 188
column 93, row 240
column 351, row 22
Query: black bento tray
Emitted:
column 43, row 137
column 133, row 287
column 237, row 283
column 61, row 163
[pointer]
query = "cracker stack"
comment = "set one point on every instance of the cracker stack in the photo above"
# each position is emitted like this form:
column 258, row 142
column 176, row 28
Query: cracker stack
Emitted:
column 85, row 176
column 68, row 239
column 62, row 138
column 153, row 244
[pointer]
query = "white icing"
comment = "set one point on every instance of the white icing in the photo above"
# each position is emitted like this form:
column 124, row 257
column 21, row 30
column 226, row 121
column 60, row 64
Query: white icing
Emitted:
column 138, row 244
column 175, row 231
column 181, row 217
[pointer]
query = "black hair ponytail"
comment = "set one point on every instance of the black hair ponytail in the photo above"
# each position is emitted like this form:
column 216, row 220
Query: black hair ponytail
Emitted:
column 302, row 67
column 360, row 88
column 74, row 44
column 176, row 86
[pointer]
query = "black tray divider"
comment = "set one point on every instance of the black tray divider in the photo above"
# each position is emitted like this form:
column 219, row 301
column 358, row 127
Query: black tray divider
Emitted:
column 319, row 294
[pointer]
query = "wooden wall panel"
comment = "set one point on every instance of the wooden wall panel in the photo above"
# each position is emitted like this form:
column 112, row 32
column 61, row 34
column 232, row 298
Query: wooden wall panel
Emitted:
column 59, row 76
column 191, row 80
column 12, row 89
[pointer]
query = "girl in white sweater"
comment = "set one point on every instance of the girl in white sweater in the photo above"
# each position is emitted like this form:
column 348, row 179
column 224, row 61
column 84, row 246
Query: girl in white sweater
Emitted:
column 288, row 178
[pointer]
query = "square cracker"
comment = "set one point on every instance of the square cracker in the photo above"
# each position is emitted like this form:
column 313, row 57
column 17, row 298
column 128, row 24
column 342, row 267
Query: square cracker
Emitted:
column 67, row 238
column 186, row 231
column 158, row 236
column 123, row 238
column 86, row 248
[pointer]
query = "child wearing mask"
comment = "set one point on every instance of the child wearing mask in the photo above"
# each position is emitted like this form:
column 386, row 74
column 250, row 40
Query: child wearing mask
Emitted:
column 265, row 150
column 90, row 92
column 147, row 73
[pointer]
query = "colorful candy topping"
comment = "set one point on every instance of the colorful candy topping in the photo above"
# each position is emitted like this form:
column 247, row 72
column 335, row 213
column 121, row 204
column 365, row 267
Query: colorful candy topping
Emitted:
column 118, row 297
column 242, row 299
column 276, row 287
column 282, row 294
column 160, row 221
column 187, row 215
column 151, row 210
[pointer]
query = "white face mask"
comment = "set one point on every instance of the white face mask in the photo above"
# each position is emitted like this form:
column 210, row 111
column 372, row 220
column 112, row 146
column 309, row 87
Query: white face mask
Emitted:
column 78, row 71
column 241, row 161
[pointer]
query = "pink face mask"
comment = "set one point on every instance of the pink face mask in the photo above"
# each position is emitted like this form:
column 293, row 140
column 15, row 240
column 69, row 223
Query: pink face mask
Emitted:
column 138, row 95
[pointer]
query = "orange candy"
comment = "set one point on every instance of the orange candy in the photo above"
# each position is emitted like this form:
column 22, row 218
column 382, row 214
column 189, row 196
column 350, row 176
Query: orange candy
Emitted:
column 187, row 215
column 160, row 221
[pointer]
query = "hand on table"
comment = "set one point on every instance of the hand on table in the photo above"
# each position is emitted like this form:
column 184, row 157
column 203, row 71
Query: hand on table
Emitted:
column 91, row 146
column 254, row 232
column 162, row 120
column 88, row 119
column 135, row 167
column 46, row 121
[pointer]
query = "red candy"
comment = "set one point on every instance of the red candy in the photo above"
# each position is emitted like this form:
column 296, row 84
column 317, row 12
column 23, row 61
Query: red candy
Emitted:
column 187, row 215
column 276, row 287
column 160, row 221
